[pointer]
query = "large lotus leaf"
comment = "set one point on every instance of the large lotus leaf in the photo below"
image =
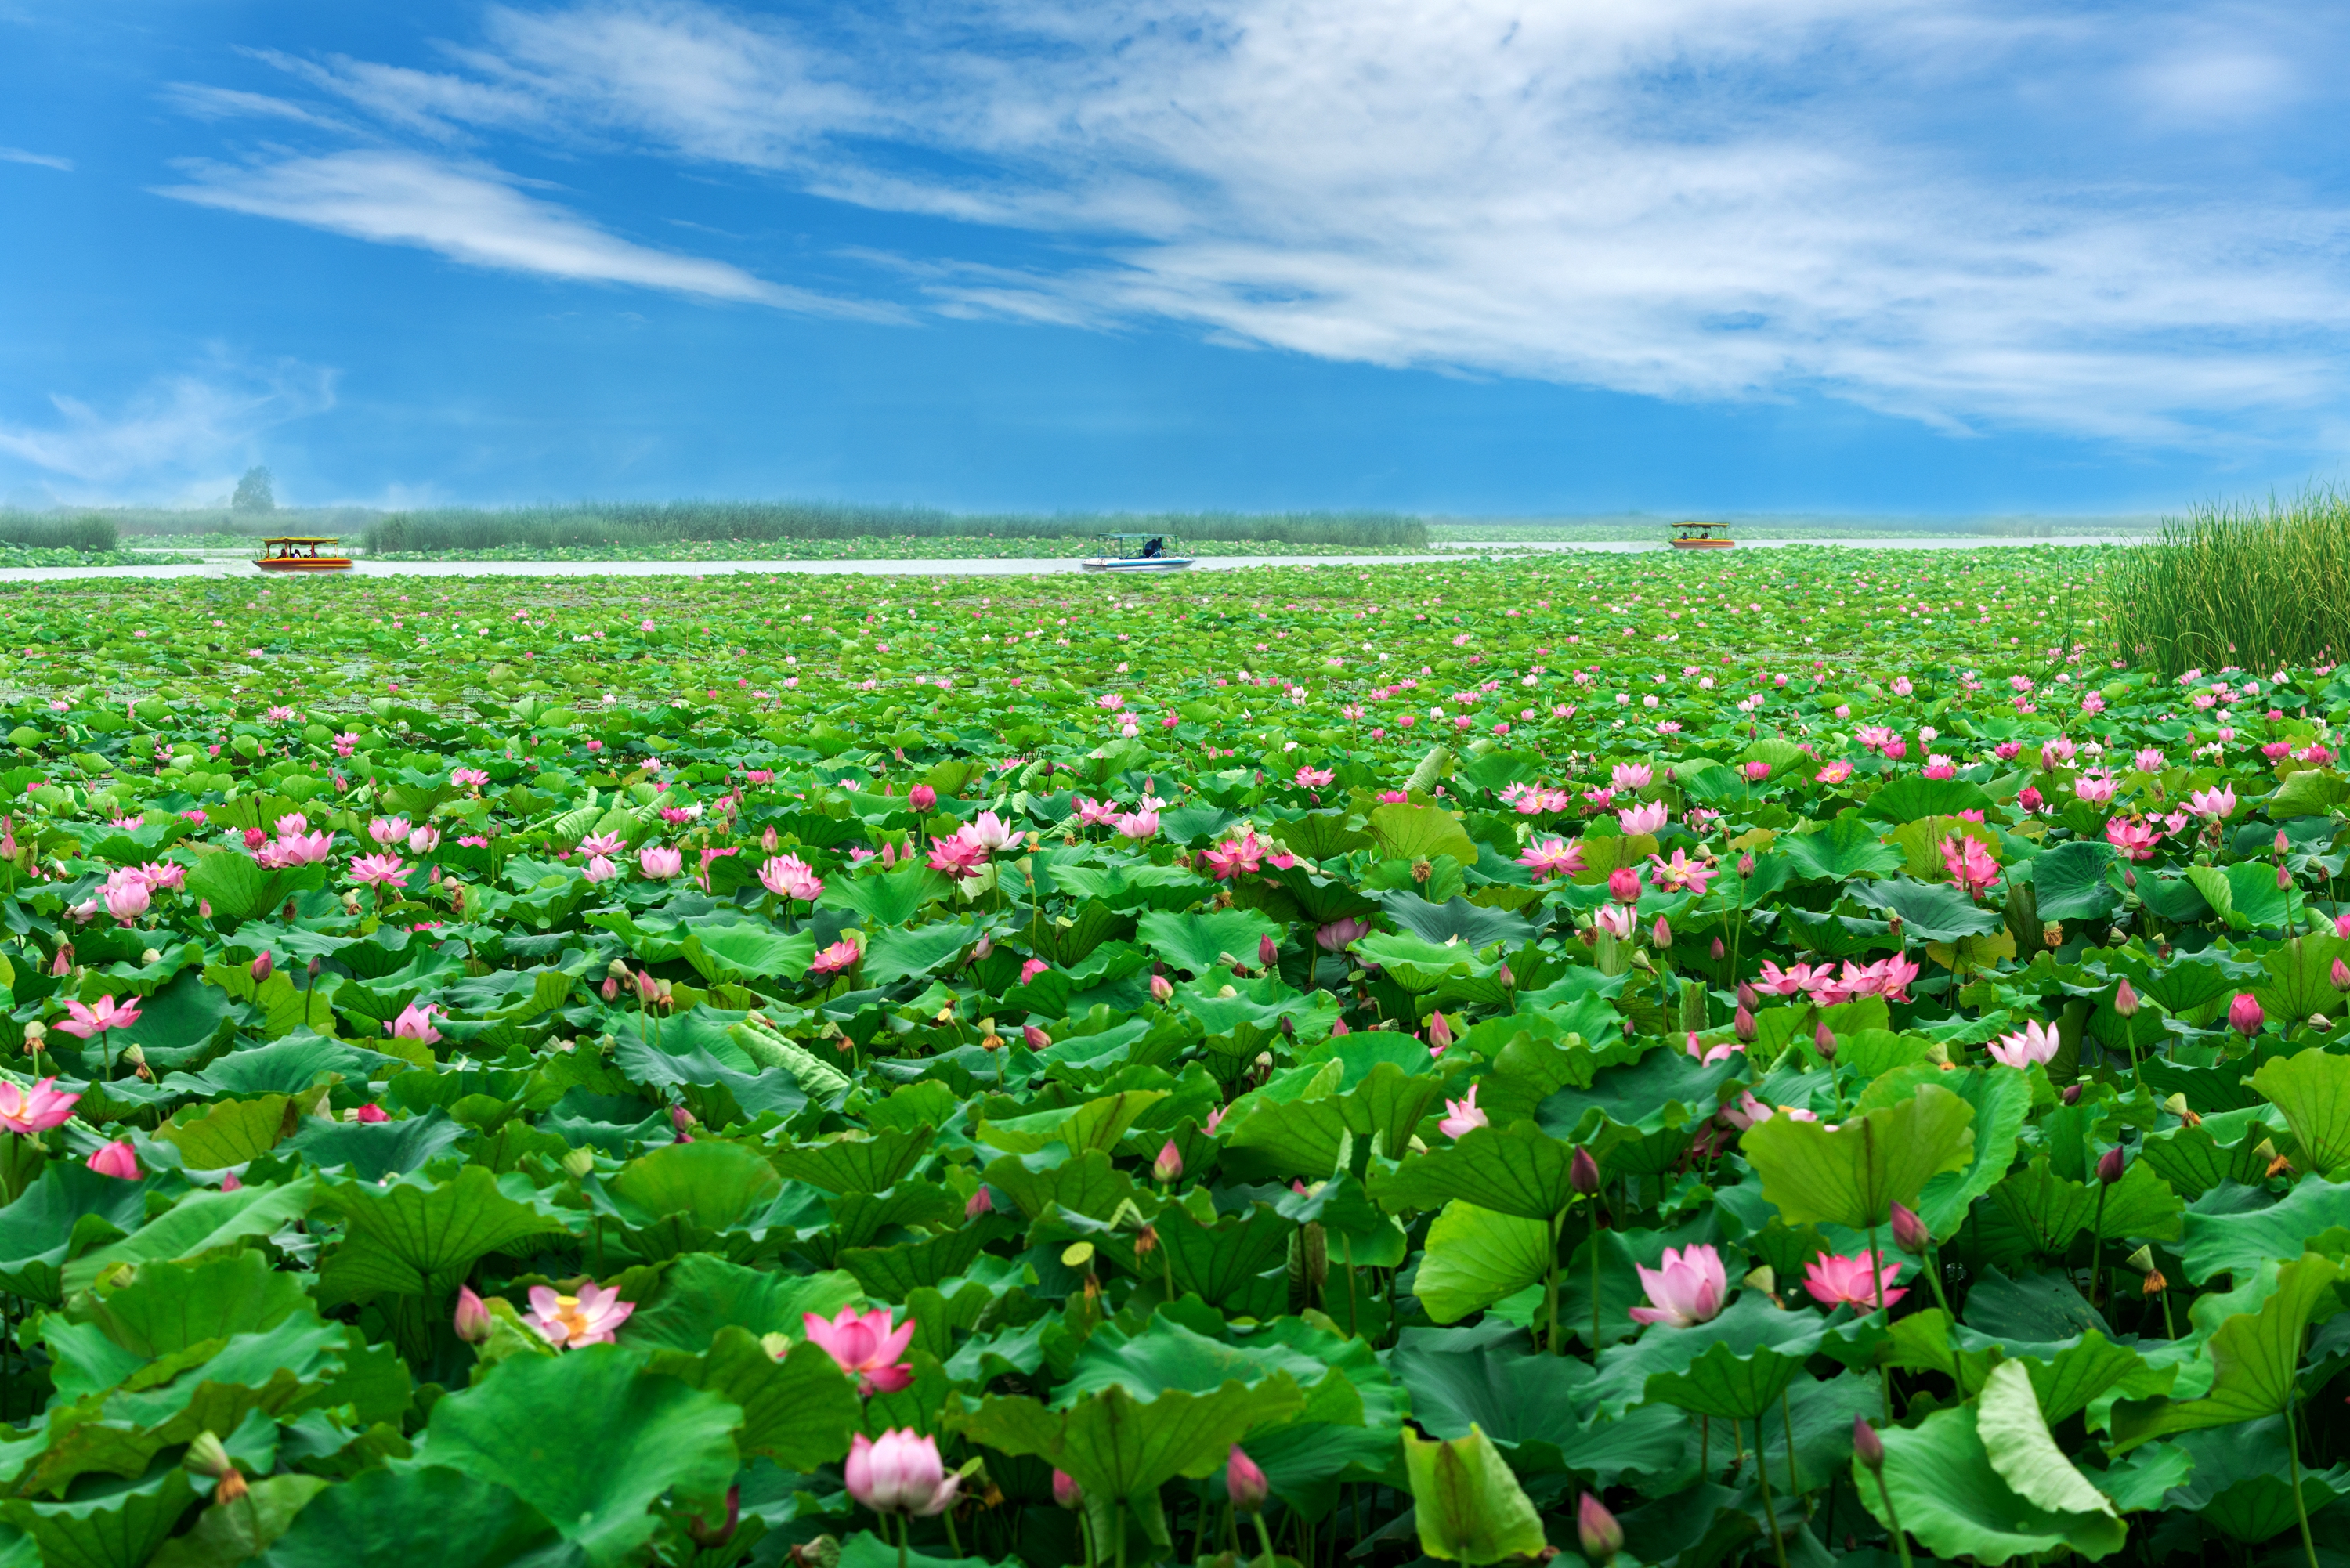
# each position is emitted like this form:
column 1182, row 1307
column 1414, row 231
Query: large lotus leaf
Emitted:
column 1929, row 911
column 1854, row 1175
column 232, row 1535
column 1491, row 1376
column 2015, row 1437
column 751, row 953
column 896, row 955
column 1418, row 964
column 2239, row 1243
column 1751, row 1322
column 886, row 897
column 1949, row 1496
column 373, row 1150
column 891, row 1273
column 115, row 1523
column 854, row 1164
column 2050, row 1210
column 2254, row 1357
column 1167, row 1356
column 1302, row 1137
column 2245, row 895
column 170, row 1306
column 68, row 1210
column 710, row 1065
column 2226, row 1148
column 286, row 1066
column 1421, row 833
column 1664, row 1091
column 1234, row 1264
column 1520, row 1170
column 1843, row 848
column 2299, row 978
column 1728, row 1385
column 1455, row 919
column 180, row 1022
column 1475, row 1257
column 1467, row 1505
column 591, row 1439
column 237, row 887
column 2002, row 1100
column 798, row 1411
column 414, row 1236
column 714, row 1184
column 2069, row 881
column 1139, row 885
column 1199, row 943
column 1245, row 1023
column 1097, row 1123
column 700, row 1294
column 200, row 1223
column 1913, row 795
column 386, row 1518
column 230, row 1132
column 1117, row 1447
column 2313, row 1089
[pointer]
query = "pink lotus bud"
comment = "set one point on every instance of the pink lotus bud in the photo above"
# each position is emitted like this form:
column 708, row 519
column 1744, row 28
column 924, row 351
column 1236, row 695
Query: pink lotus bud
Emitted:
column 2126, row 1001
column 1246, row 1482
column 264, row 963
column 1910, row 1232
column 1162, row 991
column 1439, row 1033
column 1823, row 1041
column 371, row 1113
column 1746, row 863
column 770, row 840
column 2110, row 1166
column 1034, row 1038
column 1509, row 981
column 2340, row 975
column 1866, row 1446
column 2072, row 1095
column 1168, row 1166
column 1718, row 950
column 1582, row 1172
column 116, row 1160
column 2285, row 879
column 2244, row 1015
column 473, row 1320
column 1623, row 884
column 2281, row 841
column 1748, row 997
column 921, row 798
column 1601, row 1537
column 1661, row 933
column 980, row 1202
column 611, row 988
column 1066, row 1493
column 1743, row 1026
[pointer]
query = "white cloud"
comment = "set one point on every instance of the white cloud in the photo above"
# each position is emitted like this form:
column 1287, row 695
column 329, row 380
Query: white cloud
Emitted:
column 1703, row 198
column 39, row 159
column 473, row 214
column 203, row 102
column 178, row 425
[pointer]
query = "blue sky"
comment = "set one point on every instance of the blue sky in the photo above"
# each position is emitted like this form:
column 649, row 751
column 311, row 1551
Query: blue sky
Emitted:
column 1452, row 256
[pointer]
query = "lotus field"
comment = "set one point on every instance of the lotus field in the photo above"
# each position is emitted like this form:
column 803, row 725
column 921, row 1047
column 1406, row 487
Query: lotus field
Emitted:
column 1798, row 1056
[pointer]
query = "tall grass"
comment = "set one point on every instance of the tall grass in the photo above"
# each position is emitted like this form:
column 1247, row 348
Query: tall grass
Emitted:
column 639, row 524
column 2239, row 584
column 44, row 531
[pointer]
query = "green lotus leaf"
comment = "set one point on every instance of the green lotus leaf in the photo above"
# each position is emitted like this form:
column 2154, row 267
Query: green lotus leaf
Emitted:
column 1854, row 1175
column 1467, row 1505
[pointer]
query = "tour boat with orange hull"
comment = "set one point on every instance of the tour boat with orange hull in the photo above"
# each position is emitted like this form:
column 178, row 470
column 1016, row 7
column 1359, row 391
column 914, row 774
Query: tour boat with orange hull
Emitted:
column 292, row 555
column 1702, row 537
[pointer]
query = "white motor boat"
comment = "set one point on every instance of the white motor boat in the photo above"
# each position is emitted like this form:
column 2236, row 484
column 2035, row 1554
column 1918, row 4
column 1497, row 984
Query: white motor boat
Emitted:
column 1145, row 553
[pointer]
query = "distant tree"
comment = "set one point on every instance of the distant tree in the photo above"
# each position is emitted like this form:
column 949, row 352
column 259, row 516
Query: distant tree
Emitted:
column 255, row 493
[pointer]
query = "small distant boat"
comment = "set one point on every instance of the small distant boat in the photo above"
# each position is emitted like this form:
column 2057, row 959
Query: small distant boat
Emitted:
column 1702, row 537
column 293, row 554
column 1138, row 553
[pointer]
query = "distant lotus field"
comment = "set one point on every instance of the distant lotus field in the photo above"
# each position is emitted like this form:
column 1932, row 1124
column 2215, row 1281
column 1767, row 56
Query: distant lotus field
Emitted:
column 1784, row 1056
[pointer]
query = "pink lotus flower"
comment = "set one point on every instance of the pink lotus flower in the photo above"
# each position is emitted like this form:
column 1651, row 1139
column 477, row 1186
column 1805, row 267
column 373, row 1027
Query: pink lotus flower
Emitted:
column 1687, row 1291
column 1642, row 819
column 1631, row 776
column 2133, row 837
column 415, row 1022
column 1970, row 865
column 567, row 1323
column 2214, row 804
column 1834, row 774
column 127, row 896
column 1624, row 884
column 1336, row 935
column 300, row 849
column 165, row 876
column 1393, row 796
column 424, row 840
column 1681, row 872
column 1464, row 1116
column 602, row 843
column 1939, row 767
column 1756, row 771
column 900, row 1473
column 116, row 1160
column 865, row 1346
column 388, row 831
column 1552, row 858
column 468, row 778
column 1316, row 778
column 2035, row 1042
column 841, row 955
column 789, row 877
column 1094, row 813
column 659, row 862
column 1835, row 1281
column 2148, row 760
column 2097, row 788
column 1032, row 969
column 2057, row 752
column 960, row 855
column 34, row 1110
column 379, row 871
column 600, row 868
column 369, row 1113
column 85, row 1022
column 1615, row 919
column 1236, row 855
column 1137, row 826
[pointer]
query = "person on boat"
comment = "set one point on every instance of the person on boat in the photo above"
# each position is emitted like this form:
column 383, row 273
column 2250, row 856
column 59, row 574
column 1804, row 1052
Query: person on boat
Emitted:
column 1154, row 548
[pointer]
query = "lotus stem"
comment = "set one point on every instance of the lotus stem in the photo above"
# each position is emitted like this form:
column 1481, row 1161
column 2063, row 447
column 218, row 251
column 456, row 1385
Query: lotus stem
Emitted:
column 1763, row 1474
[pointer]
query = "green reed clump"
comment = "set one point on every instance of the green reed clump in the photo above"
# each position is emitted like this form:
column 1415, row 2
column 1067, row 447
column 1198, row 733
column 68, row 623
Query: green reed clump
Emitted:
column 645, row 523
column 2251, row 586
column 41, row 531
